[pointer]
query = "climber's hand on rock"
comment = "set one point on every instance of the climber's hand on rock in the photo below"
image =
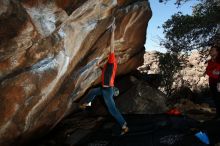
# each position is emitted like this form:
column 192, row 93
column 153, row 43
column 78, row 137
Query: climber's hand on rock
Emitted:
column 113, row 27
column 113, row 24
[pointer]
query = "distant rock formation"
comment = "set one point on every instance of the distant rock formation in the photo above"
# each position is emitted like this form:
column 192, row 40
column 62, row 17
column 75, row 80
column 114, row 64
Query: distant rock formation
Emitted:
column 48, row 56
column 192, row 75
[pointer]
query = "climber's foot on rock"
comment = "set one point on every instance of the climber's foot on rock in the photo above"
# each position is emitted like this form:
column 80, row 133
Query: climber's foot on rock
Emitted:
column 124, row 129
column 83, row 106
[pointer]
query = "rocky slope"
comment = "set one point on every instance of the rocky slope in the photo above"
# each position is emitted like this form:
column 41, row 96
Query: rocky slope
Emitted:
column 191, row 75
column 48, row 56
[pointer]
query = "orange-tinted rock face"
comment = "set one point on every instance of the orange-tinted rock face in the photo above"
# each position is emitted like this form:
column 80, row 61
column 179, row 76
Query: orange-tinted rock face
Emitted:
column 13, row 19
column 49, row 60
column 68, row 5
column 121, row 2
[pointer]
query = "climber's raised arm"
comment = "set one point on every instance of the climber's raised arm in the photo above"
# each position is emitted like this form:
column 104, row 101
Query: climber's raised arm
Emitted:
column 112, row 47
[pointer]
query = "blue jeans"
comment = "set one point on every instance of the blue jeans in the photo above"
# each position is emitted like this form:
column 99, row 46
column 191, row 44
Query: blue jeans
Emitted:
column 107, row 93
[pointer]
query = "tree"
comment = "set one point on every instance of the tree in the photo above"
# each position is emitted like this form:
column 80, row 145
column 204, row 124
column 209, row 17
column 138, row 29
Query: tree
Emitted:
column 188, row 32
column 178, row 2
column 184, row 33
column 169, row 64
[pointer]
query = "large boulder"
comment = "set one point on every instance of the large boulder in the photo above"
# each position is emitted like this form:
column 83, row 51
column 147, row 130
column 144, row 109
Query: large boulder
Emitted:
column 48, row 56
column 136, row 97
column 141, row 98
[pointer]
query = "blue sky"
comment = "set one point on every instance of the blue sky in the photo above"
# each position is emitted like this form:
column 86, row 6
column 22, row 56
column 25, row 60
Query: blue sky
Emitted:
column 162, row 12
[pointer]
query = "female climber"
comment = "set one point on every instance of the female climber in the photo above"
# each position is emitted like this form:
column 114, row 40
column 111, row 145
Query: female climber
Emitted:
column 213, row 71
column 108, row 77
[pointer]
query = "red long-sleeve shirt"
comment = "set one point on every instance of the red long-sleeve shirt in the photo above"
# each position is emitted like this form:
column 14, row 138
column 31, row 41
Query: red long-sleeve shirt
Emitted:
column 213, row 66
column 109, row 71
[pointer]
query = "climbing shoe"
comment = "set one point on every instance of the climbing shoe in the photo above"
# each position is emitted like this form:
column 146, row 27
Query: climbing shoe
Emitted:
column 125, row 130
column 83, row 106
